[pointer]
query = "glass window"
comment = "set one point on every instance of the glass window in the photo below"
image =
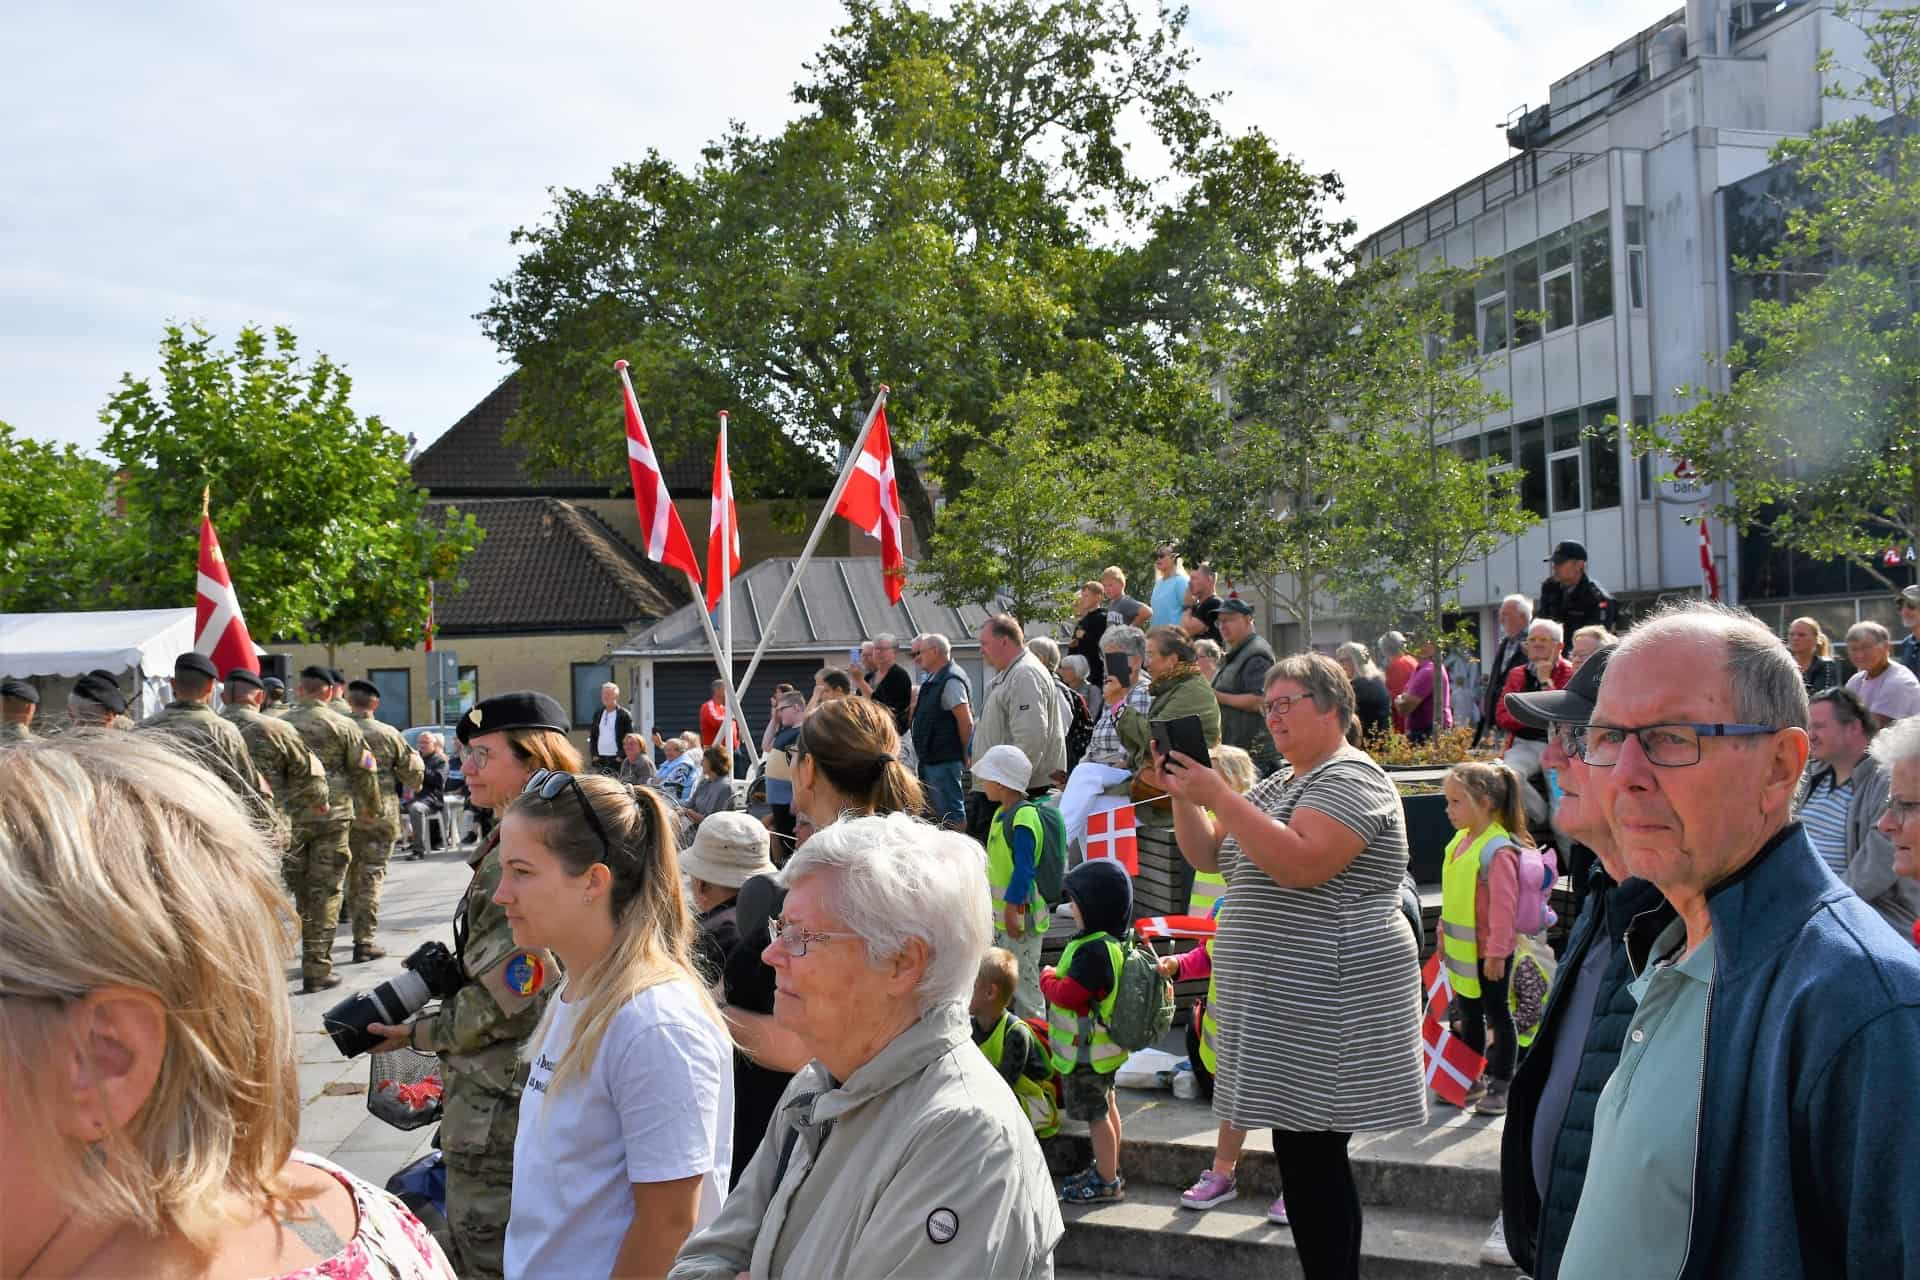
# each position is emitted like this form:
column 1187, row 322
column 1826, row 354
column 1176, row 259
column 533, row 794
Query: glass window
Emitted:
column 1524, row 294
column 1566, row 483
column 396, row 696
column 587, row 679
column 1637, row 278
column 1463, row 316
column 1468, row 449
column 1563, row 430
column 1603, row 471
column 1636, row 224
column 1642, row 415
column 1493, row 325
column 1556, row 250
column 1499, row 442
column 1596, row 270
column 1533, row 460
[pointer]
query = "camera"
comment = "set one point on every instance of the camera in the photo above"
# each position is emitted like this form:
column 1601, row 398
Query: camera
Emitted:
column 431, row 971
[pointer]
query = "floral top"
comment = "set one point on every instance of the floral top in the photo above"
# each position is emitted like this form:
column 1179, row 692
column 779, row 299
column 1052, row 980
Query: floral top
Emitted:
column 389, row 1243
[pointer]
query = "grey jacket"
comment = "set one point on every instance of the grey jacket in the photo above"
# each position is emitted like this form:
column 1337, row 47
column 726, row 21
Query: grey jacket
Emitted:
column 920, row 1165
column 1869, row 853
column 1023, row 707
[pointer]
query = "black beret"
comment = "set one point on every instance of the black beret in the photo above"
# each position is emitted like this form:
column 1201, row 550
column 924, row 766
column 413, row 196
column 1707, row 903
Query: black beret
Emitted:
column 240, row 675
column 105, row 674
column 94, row 688
column 316, row 672
column 521, row 709
column 273, row 684
column 198, row 663
column 336, row 676
column 20, row 691
column 367, row 687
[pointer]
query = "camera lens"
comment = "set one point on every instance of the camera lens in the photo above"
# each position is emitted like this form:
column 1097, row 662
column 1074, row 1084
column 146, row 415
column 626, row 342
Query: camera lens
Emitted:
column 391, row 1003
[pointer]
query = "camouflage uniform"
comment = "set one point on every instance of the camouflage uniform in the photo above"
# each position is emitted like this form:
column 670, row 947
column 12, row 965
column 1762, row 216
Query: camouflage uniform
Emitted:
column 317, row 859
column 12, row 731
column 217, row 747
column 479, row 1034
column 340, row 707
column 295, row 775
column 373, row 833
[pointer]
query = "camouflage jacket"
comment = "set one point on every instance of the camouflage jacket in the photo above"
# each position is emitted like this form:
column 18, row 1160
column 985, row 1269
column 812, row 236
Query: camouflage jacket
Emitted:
column 352, row 785
column 480, row 1031
column 298, row 779
column 398, row 764
column 339, row 707
column 216, row 746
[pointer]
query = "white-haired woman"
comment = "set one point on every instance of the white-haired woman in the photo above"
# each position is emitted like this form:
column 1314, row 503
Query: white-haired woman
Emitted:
column 1372, row 704
column 150, row 1101
column 933, row 1170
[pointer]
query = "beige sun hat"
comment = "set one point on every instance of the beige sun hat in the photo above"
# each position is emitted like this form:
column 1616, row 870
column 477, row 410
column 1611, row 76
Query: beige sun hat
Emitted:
column 729, row 849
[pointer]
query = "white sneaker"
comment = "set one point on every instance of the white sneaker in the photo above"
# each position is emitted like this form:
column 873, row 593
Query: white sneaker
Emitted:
column 1494, row 1252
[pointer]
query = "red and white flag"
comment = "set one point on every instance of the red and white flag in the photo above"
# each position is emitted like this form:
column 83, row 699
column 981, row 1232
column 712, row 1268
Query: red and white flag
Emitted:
column 1110, row 834
column 1451, row 1066
column 219, row 631
column 1150, row 927
column 723, row 526
column 429, row 632
column 1708, row 574
column 666, row 537
column 871, row 501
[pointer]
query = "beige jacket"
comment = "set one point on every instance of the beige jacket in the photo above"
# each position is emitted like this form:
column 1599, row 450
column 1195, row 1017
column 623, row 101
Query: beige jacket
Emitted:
column 921, row 1164
column 1023, row 707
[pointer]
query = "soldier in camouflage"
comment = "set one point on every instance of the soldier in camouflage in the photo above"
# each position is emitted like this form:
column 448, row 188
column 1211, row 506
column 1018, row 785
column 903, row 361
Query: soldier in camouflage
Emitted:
column 480, row 1032
column 373, row 833
column 275, row 703
column 337, row 693
column 317, row 859
column 215, row 745
column 18, row 703
column 97, row 703
column 294, row 775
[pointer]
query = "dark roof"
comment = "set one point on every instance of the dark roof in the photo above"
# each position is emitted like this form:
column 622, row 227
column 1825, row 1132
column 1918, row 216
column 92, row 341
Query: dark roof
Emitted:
column 841, row 601
column 547, row 565
column 475, row 460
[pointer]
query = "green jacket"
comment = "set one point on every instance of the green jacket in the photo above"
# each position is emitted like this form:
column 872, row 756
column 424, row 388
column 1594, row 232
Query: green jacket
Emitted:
column 1185, row 693
column 298, row 779
column 215, row 745
column 352, row 786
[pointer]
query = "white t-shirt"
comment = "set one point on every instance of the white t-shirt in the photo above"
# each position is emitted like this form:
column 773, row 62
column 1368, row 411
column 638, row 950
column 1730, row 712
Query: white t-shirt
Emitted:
column 657, row 1106
column 1894, row 693
column 609, row 724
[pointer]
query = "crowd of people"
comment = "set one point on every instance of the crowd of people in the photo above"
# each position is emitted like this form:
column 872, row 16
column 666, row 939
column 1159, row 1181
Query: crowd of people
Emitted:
column 691, row 1041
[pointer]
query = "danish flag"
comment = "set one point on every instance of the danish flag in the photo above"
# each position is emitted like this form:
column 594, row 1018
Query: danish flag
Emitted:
column 1709, row 575
column 1110, row 834
column 219, row 631
column 871, row 501
column 723, row 526
column 1451, row 1066
column 1150, row 927
column 667, row 541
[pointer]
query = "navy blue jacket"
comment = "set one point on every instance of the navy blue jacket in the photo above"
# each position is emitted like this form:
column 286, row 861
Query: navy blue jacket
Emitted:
column 1805, row 1163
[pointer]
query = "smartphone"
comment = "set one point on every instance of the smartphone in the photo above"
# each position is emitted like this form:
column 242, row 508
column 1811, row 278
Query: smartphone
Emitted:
column 1183, row 734
column 853, row 657
column 1120, row 667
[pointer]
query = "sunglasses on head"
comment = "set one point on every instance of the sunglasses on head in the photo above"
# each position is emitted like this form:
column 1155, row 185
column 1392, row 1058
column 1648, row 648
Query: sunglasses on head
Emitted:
column 549, row 783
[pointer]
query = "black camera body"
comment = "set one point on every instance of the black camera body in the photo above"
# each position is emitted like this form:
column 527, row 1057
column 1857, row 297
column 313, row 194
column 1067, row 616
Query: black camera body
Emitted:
column 430, row 972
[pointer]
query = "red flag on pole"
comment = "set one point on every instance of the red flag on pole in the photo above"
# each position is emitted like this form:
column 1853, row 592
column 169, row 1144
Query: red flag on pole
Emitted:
column 1708, row 575
column 723, row 529
column 1111, row 834
column 666, row 538
column 219, row 631
column 1151, row 927
column 1451, row 1066
column 871, row 501
column 429, row 617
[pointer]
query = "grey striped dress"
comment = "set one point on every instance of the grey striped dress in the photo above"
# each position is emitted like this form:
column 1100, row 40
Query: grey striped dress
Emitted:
column 1319, row 1015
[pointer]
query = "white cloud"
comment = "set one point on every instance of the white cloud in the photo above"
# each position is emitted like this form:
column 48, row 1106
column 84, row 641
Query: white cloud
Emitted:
column 353, row 170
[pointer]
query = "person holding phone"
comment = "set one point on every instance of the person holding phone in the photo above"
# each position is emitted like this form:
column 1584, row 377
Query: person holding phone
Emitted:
column 1177, row 689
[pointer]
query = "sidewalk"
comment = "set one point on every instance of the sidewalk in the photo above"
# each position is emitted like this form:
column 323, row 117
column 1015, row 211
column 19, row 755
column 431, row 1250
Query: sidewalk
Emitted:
column 417, row 906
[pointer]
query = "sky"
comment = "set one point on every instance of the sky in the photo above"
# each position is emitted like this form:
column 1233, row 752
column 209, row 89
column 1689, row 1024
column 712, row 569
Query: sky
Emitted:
column 354, row 170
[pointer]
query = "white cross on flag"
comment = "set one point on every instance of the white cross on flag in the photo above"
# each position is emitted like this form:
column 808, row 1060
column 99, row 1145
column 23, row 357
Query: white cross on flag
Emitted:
column 219, row 631
column 1110, row 834
column 871, row 501
column 1451, row 1066
column 667, row 541
column 723, row 526
column 1150, row 927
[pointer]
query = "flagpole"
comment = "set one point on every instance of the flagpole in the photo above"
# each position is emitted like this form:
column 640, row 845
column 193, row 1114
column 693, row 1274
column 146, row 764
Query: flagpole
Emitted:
column 813, row 539
column 725, row 499
column 733, row 693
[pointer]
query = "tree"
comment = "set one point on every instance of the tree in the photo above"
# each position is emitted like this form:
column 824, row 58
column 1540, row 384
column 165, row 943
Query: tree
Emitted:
column 1816, row 438
column 53, row 504
column 326, row 535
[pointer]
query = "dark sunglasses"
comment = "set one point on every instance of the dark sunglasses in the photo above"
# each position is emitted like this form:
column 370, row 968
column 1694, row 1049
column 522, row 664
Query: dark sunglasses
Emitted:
column 549, row 783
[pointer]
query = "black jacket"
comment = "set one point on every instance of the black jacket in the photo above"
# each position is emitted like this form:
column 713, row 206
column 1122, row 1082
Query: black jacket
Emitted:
column 1086, row 643
column 1508, row 653
column 1537, row 1231
column 1583, row 605
column 622, row 726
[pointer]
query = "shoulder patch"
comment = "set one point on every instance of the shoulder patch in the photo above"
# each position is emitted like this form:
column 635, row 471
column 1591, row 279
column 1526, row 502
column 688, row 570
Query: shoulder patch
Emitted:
column 524, row 973
column 942, row 1225
column 366, row 760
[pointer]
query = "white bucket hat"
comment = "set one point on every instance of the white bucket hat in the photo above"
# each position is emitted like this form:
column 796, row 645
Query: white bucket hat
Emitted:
column 1005, row 764
column 729, row 849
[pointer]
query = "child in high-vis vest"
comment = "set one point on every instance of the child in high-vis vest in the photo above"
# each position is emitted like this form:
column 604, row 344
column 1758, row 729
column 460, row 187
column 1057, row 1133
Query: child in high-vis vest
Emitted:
column 1480, row 891
column 1014, row 841
column 1079, row 1006
column 1010, row 1044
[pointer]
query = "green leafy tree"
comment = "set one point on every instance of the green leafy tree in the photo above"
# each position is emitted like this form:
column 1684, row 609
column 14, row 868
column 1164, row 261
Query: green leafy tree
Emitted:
column 324, row 531
column 1816, row 439
column 54, row 501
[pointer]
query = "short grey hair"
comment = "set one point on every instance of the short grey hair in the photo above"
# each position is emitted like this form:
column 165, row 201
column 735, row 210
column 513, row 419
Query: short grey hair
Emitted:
column 1547, row 626
column 934, row 638
column 1356, row 653
column 1868, row 631
column 886, row 638
column 1392, row 644
column 1048, row 651
column 1124, row 639
column 1210, row 650
column 1324, row 680
column 1602, row 638
column 1766, row 683
column 609, row 685
column 1896, row 744
column 892, row 878
column 1077, row 663
column 1520, row 601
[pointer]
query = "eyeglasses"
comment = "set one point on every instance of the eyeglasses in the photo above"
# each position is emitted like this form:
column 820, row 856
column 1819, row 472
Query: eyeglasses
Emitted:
column 1280, row 706
column 1667, row 746
column 476, row 756
column 795, row 940
column 549, row 783
column 1901, row 810
column 1567, row 737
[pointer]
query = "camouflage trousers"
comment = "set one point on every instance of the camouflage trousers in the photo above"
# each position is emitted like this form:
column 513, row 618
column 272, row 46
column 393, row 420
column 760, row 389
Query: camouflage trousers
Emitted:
column 479, row 1196
column 315, row 867
column 372, row 849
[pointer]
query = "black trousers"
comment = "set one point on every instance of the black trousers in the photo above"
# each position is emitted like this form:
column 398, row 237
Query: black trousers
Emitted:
column 1323, row 1202
column 1489, row 1009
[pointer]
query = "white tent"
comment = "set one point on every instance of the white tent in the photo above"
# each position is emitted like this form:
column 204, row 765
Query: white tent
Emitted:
column 67, row 645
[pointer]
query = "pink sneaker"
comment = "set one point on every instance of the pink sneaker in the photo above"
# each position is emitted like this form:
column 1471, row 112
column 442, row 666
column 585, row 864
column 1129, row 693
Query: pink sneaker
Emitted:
column 1212, row 1189
column 1277, row 1212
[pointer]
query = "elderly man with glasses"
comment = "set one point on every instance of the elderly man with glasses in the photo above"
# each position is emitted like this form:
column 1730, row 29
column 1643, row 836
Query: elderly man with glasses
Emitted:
column 1752, row 1125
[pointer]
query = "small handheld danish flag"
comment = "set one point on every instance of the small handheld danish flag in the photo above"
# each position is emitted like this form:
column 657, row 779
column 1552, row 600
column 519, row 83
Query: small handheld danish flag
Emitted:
column 1111, row 834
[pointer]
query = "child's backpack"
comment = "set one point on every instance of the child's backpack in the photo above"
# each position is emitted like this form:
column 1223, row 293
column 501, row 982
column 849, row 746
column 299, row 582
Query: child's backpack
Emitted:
column 1142, row 999
column 1050, row 865
column 1041, row 1101
column 1537, row 869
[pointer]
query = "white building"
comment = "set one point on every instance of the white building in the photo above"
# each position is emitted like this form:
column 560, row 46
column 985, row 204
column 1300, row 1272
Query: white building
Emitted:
column 1611, row 220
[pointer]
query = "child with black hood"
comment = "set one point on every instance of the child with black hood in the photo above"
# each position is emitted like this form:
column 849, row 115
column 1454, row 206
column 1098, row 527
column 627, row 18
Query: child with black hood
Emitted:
column 1079, row 998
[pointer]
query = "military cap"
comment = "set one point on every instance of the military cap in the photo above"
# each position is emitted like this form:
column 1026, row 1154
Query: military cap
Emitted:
column 198, row 663
column 521, row 709
column 316, row 672
column 94, row 688
column 104, row 674
column 336, row 676
column 366, row 687
column 19, row 691
column 240, row 675
column 273, row 684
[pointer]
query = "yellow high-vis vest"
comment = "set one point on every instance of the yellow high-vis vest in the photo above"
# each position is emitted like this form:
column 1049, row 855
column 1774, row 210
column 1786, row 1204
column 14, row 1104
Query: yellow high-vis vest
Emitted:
column 1459, row 880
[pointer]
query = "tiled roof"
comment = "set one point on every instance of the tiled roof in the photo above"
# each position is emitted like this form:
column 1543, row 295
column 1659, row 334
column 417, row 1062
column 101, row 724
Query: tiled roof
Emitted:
column 474, row 459
column 547, row 565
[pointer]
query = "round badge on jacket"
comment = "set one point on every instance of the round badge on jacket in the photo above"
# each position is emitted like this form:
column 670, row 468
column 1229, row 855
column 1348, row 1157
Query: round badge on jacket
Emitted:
column 942, row 1225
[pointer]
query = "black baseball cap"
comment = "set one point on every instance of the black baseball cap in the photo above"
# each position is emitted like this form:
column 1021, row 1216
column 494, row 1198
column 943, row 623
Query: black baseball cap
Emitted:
column 1567, row 551
column 1571, row 705
column 1237, row 605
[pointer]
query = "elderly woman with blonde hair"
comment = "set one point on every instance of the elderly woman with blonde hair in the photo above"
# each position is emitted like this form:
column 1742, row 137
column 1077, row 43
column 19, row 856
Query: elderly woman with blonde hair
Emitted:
column 150, row 1102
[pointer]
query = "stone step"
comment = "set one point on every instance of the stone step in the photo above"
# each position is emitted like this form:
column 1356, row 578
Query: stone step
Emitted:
column 1450, row 1165
column 1149, row 1234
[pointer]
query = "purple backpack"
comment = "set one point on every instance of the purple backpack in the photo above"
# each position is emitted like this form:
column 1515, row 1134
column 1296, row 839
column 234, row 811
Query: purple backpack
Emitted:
column 1537, row 869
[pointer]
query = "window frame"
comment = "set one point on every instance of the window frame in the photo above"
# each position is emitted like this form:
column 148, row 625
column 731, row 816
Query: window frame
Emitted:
column 404, row 699
column 1484, row 308
column 573, row 687
column 1588, row 230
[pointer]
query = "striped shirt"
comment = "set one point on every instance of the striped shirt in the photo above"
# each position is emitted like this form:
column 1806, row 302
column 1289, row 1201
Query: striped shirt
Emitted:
column 1824, row 814
column 1317, row 989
